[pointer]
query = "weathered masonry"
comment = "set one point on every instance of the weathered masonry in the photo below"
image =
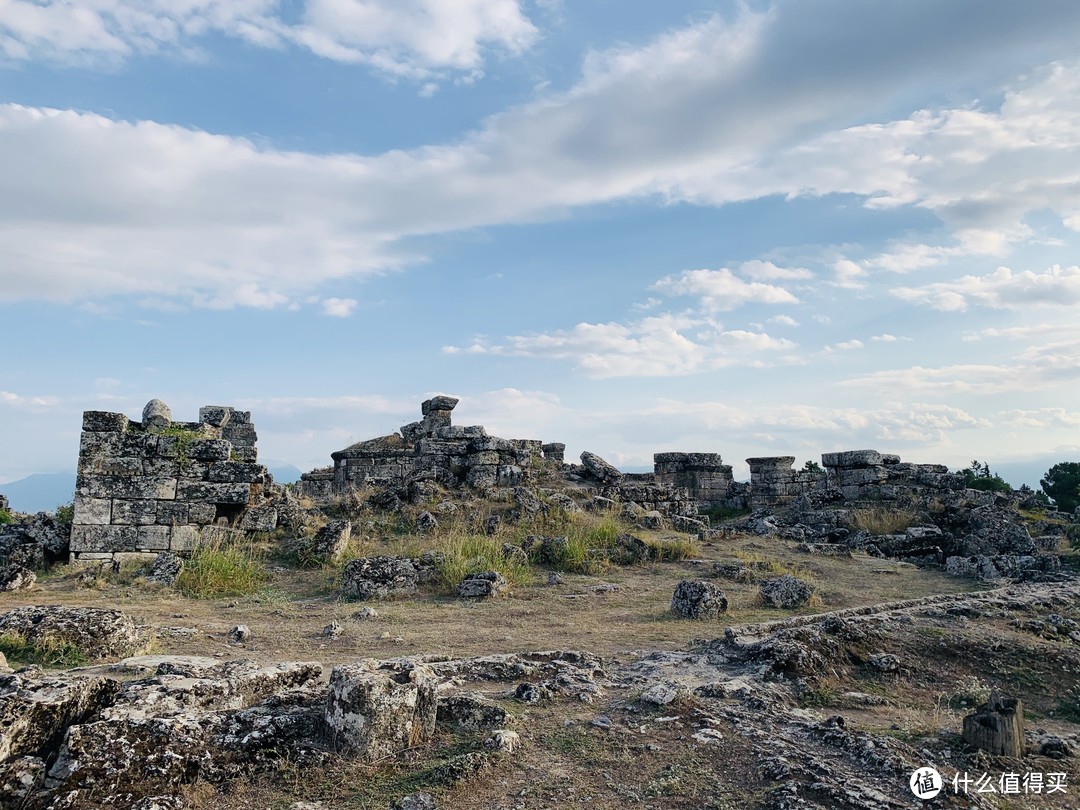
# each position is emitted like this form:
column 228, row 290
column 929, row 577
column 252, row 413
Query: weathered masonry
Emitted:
column 452, row 454
column 152, row 486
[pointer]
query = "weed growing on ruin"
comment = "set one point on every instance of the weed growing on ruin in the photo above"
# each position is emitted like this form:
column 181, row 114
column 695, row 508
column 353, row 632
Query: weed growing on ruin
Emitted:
column 464, row 554
column 65, row 514
column 971, row 692
column 47, row 651
column 6, row 517
column 184, row 437
column 223, row 567
column 883, row 520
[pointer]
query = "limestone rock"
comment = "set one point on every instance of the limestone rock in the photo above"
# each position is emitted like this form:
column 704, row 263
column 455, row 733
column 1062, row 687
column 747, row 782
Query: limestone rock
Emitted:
column 884, row 662
column 481, row 586
column 600, row 469
column 241, row 634
column 156, row 414
column 166, row 569
column 98, row 633
column 20, row 778
column 697, row 599
column 375, row 710
column 15, row 577
column 652, row 520
column 379, row 577
column 333, row 630
column 472, row 712
column 366, row 614
column 527, row 501
column 332, row 540
column 416, row 801
column 786, row 592
column 629, row 550
column 426, row 522
column 561, row 500
column 503, row 741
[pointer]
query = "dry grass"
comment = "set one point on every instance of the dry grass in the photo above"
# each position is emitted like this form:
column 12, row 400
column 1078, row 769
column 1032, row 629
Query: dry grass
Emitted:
column 224, row 565
column 880, row 520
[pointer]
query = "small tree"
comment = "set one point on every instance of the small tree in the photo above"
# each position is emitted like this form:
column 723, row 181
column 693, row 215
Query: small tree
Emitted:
column 979, row 476
column 1062, row 484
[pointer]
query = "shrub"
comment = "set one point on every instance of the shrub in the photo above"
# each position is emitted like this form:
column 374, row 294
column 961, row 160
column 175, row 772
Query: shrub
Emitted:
column 882, row 520
column 1062, row 483
column 6, row 517
column 978, row 476
column 47, row 651
column 222, row 567
column 65, row 514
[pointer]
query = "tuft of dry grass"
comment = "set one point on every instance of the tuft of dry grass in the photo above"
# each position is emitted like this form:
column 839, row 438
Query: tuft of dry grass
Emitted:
column 225, row 565
column 880, row 520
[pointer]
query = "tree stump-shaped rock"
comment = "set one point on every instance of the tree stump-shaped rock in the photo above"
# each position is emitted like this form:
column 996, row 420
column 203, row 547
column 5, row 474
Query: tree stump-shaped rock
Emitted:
column 997, row 727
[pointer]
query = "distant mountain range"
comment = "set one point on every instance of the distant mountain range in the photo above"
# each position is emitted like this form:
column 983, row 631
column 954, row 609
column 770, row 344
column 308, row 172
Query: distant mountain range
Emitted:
column 43, row 492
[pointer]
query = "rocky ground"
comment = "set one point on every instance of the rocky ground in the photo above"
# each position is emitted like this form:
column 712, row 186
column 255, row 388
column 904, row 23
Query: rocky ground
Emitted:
column 820, row 672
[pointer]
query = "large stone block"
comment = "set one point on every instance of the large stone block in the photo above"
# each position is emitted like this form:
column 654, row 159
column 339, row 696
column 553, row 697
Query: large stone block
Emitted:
column 171, row 513
column 104, row 422
column 215, row 415
column 135, row 487
column 209, row 449
column 102, row 538
column 259, row 519
column 439, row 403
column 213, row 493
column 92, row 511
column 153, row 538
column 201, row 514
column 376, row 710
column 184, row 538
column 852, row 458
column 134, row 512
column 233, row 472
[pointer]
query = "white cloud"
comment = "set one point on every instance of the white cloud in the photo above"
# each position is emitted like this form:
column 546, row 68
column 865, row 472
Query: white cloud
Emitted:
column 885, row 337
column 1002, row 289
column 721, row 291
column 848, row 274
column 339, row 307
column 32, row 402
column 785, row 320
column 845, row 346
column 758, row 270
column 658, row 346
column 707, row 113
column 416, row 38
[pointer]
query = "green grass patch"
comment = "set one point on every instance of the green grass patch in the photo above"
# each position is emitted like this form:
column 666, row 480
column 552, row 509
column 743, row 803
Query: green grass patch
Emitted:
column 672, row 549
column 47, row 651
column 465, row 554
column 6, row 517
column 223, row 567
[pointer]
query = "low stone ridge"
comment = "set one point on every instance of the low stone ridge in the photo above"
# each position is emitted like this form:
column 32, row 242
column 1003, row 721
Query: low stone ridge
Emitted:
column 786, row 592
column 97, row 633
column 697, row 599
column 483, row 585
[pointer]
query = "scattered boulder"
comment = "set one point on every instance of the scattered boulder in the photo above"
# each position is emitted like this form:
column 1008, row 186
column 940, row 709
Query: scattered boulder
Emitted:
column 688, row 525
column 33, row 542
column 786, row 592
column 472, row 712
column 503, row 741
column 492, row 524
column 527, row 501
column 426, row 522
column 241, row 634
column 663, row 693
column 333, row 630
column 416, row 801
column 15, row 577
column 332, row 540
column 629, row 550
column 884, row 662
column 166, row 569
column 599, row 469
column 366, row 614
column 481, row 586
column 697, row 599
column 652, row 520
column 97, row 633
column 560, row 500
column 377, row 709
column 380, row 577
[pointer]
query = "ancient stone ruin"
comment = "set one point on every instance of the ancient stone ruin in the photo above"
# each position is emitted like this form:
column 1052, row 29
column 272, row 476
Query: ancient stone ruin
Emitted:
column 453, row 455
column 152, row 486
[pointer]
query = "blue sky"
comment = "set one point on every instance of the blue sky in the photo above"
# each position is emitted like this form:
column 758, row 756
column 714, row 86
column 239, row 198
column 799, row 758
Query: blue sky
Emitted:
column 749, row 228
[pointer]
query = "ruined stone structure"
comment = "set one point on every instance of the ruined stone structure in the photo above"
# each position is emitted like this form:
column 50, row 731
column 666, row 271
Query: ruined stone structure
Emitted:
column 452, row 454
column 703, row 475
column 851, row 475
column 773, row 482
column 151, row 486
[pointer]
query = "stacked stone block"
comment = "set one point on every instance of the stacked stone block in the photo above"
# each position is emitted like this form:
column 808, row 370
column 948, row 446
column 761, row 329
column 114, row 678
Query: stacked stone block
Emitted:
column 774, row 484
column 151, row 486
column 454, row 455
column 704, row 475
column 870, row 475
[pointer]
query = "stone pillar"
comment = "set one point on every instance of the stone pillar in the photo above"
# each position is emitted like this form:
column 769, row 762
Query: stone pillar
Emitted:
column 856, row 473
column 772, row 482
column 156, row 415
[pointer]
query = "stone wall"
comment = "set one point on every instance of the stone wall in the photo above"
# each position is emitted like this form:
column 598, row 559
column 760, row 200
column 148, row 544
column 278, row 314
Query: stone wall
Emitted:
column 774, row 484
column 152, row 486
column 703, row 475
column 451, row 454
column 868, row 474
